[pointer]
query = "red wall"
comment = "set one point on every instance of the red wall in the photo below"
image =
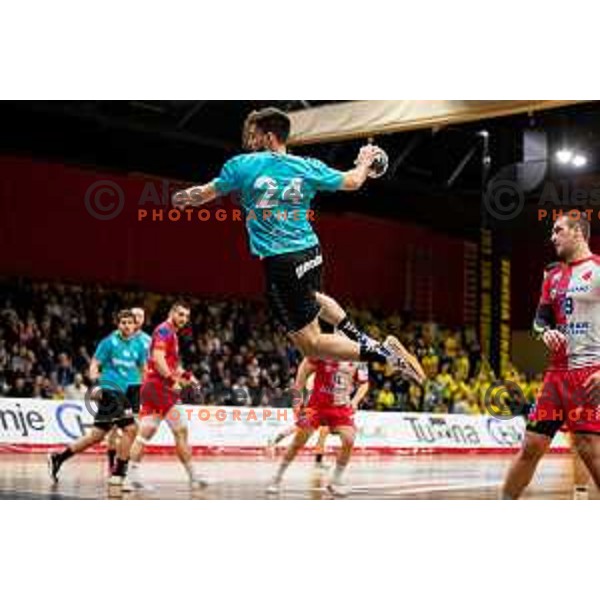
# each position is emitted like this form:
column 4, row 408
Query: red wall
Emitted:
column 47, row 232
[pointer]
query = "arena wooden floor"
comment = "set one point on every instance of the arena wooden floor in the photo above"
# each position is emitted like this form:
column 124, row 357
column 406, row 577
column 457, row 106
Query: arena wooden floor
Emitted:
column 403, row 477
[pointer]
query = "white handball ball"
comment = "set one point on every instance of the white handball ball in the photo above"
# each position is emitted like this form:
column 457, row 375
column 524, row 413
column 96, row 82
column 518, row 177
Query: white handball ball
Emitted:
column 380, row 164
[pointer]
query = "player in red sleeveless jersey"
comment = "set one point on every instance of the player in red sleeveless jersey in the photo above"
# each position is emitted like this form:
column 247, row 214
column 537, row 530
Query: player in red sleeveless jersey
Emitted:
column 331, row 405
column 568, row 322
column 362, row 383
column 160, row 395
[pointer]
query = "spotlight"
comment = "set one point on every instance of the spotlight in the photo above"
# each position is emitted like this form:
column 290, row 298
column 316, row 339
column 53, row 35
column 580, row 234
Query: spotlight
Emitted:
column 579, row 160
column 564, row 156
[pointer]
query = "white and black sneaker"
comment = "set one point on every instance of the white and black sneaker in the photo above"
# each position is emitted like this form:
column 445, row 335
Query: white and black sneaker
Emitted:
column 274, row 488
column 116, row 480
column 403, row 361
column 133, row 484
column 337, row 489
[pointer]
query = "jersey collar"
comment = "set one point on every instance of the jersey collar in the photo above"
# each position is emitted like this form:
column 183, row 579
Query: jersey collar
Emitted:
column 581, row 261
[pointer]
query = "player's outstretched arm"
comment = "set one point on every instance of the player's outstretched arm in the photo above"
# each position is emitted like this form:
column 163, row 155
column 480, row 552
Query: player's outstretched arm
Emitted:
column 305, row 369
column 355, row 178
column 360, row 394
column 195, row 195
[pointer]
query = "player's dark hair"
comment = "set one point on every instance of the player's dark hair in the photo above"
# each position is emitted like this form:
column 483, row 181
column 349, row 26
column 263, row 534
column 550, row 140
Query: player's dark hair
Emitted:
column 180, row 304
column 270, row 120
column 125, row 314
column 582, row 223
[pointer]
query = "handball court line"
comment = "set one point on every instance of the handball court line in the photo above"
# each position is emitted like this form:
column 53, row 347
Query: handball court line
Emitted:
column 403, row 489
column 443, row 488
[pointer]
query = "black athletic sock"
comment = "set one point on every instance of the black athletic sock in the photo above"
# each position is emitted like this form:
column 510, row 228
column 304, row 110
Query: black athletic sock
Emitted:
column 370, row 350
column 120, row 467
column 111, row 454
column 347, row 327
column 64, row 455
column 373, row 351
column 318, row 458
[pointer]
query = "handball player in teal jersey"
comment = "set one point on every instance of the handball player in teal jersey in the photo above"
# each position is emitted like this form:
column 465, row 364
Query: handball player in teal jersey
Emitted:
column 276, row 190
column 116, row 362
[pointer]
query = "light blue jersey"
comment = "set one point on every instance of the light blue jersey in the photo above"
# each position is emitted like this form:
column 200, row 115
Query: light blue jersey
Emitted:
column 143, row 340
column 121, row 361
column 276, row 191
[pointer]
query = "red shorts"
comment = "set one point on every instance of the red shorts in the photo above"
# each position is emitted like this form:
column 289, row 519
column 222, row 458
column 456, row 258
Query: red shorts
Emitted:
column 157, row 399
column 314, row 416
column 563, row 399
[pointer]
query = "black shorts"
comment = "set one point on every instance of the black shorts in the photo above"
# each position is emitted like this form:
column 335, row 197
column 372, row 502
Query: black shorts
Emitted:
column 292, row 280
column 114, row 409
column 547, row 428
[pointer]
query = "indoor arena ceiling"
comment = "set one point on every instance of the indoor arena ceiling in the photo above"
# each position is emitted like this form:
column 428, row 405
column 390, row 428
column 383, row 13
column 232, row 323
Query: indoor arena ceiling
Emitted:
column 434, row 177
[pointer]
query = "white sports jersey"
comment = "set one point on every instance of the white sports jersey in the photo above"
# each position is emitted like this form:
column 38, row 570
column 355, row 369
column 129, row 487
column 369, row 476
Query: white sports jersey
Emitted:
column 573, row 292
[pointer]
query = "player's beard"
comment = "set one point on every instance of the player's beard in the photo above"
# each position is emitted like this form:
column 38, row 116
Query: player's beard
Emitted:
column 563, row 253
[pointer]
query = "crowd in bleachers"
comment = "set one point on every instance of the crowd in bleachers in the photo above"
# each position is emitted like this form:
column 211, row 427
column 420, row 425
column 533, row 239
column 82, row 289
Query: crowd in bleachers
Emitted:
column 49, row 332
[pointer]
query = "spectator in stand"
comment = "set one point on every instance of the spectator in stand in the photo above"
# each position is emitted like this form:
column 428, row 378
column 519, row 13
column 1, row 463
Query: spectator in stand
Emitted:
column 19, row 389
column 38, row 386
column 45, row 356
column 386, row 399
column 77, row 390
column 241, row 392
column 431, row 362
column 4, row 387
column 462, row 367
column 254, row 389
column 59, row 393
column 224, row 393
column 413, row 400
column 81, row 362
column 64, row 374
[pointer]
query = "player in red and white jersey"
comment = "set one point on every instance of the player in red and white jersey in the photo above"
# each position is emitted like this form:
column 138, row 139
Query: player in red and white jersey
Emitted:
column 568, row 322
column 362, row 387
column 160, row 395
column 331, row 404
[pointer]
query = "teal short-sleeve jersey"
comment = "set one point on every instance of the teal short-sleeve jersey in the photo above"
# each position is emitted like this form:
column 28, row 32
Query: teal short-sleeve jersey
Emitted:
column 276, row 191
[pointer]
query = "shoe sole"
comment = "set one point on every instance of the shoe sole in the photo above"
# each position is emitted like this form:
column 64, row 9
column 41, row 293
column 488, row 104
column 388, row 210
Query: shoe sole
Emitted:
column 130, row 489
column 337, row 494
column 418, row 374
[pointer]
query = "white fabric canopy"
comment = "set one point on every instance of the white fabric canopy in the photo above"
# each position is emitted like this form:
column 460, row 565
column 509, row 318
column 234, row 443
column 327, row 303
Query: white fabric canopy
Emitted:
column 347, row 120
